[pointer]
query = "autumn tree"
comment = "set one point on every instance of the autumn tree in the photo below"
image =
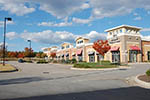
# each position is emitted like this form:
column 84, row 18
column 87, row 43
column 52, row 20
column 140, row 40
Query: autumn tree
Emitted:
column 101, row 46
column 12, row 54
column 28, row 52
column 20, row 55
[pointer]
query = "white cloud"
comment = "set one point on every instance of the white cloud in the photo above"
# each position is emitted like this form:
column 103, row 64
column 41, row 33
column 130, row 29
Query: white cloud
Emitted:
column 17, row 7
column 93, row 36
column 8, row 23
column 62, row 8
column 109, row 8
column 62, row 24
column 11, row 35
column 49, row 37
column 58, row 37
column 135, row 14
column 81, row 21
column 138, row 18
column 148, row 12
column 146, row 30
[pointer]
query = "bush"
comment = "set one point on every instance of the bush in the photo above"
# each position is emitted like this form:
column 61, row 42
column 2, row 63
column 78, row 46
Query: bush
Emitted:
column 62, row 61
column 55, row 61
column 42, row 62
column 28, row 61
column 105, row 62
column 73, row 61
column 81, row 66
column 148, row 72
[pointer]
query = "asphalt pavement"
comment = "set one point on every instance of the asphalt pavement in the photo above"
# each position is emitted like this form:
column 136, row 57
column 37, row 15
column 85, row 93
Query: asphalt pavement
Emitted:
column 59, row 82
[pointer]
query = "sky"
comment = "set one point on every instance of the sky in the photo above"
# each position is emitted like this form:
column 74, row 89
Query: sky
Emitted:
column 52, row 22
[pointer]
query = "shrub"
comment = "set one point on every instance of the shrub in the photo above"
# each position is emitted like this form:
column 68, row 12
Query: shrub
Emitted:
column 55, row 61
column 42, row 62
column 28, row 61
column 62, row 61
column 73, row 61
column 105, row 62
column 148, row 72
column 81, row 66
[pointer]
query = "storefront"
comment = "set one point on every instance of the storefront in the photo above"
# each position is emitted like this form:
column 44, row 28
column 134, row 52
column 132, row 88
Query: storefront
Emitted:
column 91, row 55
column 148, row 55
column 115, row 54
column 99, row 57
column 79, row 55
column 134, row 51
column 67, row 56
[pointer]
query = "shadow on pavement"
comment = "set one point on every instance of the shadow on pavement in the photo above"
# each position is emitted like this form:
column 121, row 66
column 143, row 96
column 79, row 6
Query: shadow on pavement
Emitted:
column 32, row 79
column 130, row 93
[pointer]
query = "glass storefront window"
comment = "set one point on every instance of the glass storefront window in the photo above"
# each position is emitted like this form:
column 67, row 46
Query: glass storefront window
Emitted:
column 80, row 58
column 91, row 58
column 115, row 56
column 148, row 55
column 133, row 56
column 100, row 57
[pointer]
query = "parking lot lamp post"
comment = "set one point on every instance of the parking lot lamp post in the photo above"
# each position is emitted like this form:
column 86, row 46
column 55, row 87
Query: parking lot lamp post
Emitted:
column 29, row 48
column 6, row 19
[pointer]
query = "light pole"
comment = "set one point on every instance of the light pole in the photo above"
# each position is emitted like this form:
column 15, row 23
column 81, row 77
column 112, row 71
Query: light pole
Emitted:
column 9, row 19
column 30, row 48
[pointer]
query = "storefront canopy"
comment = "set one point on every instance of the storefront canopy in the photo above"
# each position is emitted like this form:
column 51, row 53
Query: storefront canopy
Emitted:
column 115, row 48
column 79, row 52
column 136, row 48
column 62, row 55
column 67, row 55
column 90, row 52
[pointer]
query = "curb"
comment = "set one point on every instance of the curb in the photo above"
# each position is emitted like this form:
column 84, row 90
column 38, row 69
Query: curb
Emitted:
column 16, row 69
column 99, row 69
column 9, row 71
column 142, row 83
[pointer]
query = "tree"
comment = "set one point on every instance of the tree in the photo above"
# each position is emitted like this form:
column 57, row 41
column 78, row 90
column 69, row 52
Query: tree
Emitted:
column 43, row 55
column 20, row 55
column 101, row 46
column 12, row 54
column 28, row 52
column 53, row 55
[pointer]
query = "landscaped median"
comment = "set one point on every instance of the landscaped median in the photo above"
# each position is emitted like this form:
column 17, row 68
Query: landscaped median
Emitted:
column 143, row 80
column 7, row 68
column 97, row 66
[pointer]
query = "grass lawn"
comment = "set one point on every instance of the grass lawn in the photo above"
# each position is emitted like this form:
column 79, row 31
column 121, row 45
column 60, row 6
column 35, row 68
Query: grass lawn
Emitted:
column 7, row 68
column 104, row 64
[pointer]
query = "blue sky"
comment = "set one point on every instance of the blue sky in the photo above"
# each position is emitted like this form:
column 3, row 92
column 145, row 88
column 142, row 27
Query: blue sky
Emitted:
column 52, row 22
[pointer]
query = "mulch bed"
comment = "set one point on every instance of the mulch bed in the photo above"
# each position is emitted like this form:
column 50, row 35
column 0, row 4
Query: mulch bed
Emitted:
column 99, row 65
column 144, row 78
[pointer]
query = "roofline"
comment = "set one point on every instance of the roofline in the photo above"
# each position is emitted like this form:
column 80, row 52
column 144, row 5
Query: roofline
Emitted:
column 81, row 37
column 139, row 28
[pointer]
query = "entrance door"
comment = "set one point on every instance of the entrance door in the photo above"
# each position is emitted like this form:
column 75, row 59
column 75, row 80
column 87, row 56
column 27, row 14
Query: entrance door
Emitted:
column 116, row 56
column 91, row 58
column 133, row 56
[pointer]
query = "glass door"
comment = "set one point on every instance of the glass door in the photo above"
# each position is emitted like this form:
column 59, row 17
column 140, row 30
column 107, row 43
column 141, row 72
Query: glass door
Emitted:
column 116, row 57
column 133, row 56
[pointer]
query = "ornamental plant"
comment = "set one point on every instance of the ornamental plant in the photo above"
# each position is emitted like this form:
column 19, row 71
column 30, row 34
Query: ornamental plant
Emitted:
column 101, row 46
column 148, row 72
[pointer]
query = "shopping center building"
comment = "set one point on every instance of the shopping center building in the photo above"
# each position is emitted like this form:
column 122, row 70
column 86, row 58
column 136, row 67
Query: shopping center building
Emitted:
column 127, row 45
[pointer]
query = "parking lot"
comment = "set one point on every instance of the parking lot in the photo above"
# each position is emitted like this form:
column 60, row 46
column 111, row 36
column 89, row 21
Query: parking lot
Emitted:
column 59, row 82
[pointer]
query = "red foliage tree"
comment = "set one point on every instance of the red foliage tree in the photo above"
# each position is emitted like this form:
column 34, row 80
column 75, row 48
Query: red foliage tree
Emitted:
column 21, row 55
column 53, row 54
column 101, row 46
